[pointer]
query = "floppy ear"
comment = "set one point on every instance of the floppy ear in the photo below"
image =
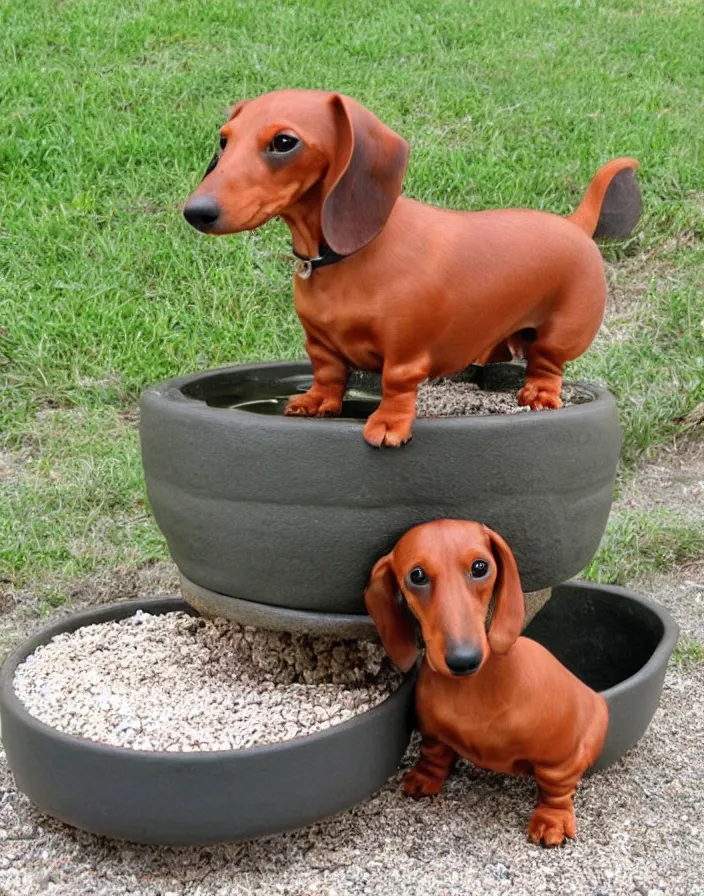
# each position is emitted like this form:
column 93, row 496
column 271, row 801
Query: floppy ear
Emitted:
column 395, row 625
column 509, row 607
column 364, row 179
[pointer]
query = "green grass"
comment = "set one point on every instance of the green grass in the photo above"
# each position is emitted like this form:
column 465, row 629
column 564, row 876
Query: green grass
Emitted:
column 109, row 114
column 688, row 652
column 638, row 542
column 68, row 512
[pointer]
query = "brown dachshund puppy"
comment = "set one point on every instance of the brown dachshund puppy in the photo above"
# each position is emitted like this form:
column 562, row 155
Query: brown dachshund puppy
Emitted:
column 502, row 701
column 392, row 285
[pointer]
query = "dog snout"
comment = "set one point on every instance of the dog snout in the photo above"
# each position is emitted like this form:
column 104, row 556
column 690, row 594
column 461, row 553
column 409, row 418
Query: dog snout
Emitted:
column 201, row 212
column 463, row 659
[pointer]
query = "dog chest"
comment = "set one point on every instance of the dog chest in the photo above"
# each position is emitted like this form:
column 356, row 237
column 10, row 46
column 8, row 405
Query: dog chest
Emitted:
column 344, row 329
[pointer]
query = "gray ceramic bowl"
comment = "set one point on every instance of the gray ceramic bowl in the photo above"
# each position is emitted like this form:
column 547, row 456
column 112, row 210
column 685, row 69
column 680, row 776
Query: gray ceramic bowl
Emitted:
column 293, row 512
column 616, row 641
column 196, row 798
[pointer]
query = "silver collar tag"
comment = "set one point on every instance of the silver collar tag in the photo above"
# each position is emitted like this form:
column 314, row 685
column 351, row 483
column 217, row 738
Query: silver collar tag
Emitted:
column 304, row 270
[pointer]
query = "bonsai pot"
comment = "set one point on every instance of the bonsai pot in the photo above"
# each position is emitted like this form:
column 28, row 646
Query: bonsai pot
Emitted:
column 291, row 513
column 196, row 797
column 617, row 642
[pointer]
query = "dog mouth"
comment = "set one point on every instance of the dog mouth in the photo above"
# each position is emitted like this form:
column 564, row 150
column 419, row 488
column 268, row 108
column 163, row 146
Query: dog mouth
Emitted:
column 207, row 215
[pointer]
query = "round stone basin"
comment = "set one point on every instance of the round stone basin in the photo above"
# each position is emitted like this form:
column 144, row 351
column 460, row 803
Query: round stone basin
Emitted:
column 292, row 513
column 196, row 797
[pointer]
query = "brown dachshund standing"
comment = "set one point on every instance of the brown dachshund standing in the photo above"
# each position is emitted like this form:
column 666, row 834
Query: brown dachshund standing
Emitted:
column 502, row 701
column 392, row 285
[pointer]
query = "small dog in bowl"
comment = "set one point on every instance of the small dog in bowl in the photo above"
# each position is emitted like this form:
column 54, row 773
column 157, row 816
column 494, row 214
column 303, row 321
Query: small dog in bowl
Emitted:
column 484, row 693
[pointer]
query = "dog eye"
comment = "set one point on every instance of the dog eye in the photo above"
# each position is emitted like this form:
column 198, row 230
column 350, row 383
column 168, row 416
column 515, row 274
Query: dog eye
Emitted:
column 479, row 569
column 212, row 164
column 223, row 143
column 418, row 576
column 282, row 143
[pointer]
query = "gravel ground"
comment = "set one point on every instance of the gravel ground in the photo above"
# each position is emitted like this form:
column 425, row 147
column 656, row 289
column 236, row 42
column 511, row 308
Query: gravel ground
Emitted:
column 181, row 683
column 640, row 823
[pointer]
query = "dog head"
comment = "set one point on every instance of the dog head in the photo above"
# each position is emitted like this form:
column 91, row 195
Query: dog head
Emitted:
column 446, row 574
column 296, row 146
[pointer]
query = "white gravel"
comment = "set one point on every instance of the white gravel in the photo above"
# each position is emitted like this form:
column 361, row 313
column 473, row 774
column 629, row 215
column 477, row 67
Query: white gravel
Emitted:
column 448, row 398
column 181, row 683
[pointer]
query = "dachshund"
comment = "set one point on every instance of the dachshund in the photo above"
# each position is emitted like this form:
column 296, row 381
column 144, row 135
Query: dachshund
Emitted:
column 392, row 285
column 497, row 699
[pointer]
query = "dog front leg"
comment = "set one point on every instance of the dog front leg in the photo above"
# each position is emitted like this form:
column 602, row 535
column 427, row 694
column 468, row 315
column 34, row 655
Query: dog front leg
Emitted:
column 330, row 374
column 553, row 819
column 391, row 422
column 429, row 774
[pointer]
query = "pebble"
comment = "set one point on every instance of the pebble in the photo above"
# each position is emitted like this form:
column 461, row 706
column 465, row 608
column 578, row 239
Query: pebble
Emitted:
column 176, row 682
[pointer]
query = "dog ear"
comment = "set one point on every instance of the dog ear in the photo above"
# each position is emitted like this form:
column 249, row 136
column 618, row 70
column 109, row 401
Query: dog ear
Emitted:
column 509, row 606
column 364, row 179
column 395, row 625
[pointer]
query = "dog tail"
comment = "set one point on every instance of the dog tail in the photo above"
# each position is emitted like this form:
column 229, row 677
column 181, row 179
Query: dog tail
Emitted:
column 612, row 204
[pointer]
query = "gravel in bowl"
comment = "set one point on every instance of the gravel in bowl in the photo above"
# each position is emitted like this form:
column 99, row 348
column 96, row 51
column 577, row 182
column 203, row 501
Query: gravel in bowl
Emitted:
column 447, row 397
column 181, row 683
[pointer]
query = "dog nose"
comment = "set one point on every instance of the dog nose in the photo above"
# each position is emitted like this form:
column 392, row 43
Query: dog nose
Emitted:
column 201, row 212
column 463, row 659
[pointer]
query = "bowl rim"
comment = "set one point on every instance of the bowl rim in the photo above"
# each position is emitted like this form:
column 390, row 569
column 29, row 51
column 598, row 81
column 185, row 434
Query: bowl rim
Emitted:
column 170, row 392
column 11, row 703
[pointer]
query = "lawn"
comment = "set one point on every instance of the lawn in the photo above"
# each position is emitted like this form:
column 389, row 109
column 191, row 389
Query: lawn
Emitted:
column 110, row 112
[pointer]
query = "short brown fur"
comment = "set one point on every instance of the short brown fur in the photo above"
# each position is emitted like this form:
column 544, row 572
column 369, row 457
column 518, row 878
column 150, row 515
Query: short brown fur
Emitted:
column 521, row 712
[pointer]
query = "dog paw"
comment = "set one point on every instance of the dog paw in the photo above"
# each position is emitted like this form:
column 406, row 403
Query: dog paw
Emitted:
column 551, row 826
column 418, row 783
column 313, row 404
column 539, row 399
column 381, row 429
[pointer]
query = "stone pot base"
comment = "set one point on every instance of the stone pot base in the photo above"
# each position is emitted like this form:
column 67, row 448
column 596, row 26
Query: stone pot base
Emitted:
column 277, row 618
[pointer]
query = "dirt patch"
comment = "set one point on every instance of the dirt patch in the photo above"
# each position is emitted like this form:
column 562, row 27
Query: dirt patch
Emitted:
column 11, row 467
column 674, row 482
column 631, row 279
column 22, row 611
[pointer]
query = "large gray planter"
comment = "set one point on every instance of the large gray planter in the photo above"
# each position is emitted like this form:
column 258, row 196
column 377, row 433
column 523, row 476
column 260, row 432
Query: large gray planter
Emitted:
column 617, row 642
column 293, row 512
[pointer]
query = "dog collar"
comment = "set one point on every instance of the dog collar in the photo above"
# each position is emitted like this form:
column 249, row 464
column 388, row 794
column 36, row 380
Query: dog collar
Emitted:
column 308, row 265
